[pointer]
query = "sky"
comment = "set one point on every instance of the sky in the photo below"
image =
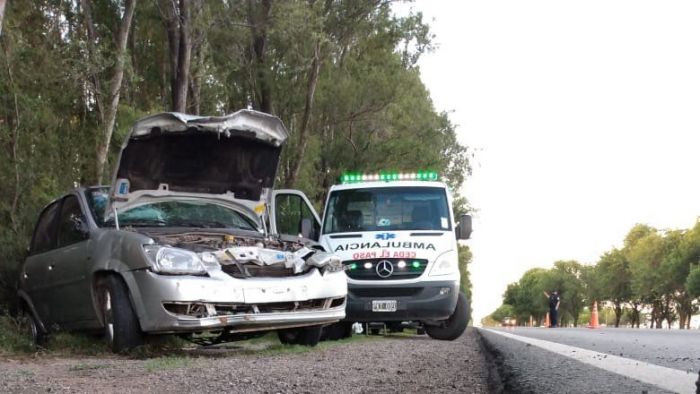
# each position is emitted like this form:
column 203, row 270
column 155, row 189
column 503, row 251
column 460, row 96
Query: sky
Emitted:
column 584, row 117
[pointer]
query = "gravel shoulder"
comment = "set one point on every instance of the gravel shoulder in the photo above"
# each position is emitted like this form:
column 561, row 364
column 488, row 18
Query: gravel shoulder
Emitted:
column 404, row 364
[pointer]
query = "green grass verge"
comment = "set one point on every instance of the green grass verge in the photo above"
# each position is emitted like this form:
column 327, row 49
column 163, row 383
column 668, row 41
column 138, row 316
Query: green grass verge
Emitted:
column 162, row 352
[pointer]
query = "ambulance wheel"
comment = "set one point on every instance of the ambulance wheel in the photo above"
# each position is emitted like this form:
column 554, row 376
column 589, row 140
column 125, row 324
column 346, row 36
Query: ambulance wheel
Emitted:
column 454, row 326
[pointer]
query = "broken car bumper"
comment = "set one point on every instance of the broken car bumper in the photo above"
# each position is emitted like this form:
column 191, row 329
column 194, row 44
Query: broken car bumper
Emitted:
column 170, row 303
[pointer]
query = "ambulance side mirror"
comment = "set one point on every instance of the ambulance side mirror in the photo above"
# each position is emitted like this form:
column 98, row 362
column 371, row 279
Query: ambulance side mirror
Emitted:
column 464, row 229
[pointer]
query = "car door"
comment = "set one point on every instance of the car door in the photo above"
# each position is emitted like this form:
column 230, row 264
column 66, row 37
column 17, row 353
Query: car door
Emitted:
column 293, row 214
column 35, row 272
column 70, row 275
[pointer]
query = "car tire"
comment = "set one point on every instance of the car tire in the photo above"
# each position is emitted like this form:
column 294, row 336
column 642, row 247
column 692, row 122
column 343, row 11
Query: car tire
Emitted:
column 337, row 331
column 39, row 337
column 374, row 331
column 121, row 325
column 454, row 326
column 306, row 336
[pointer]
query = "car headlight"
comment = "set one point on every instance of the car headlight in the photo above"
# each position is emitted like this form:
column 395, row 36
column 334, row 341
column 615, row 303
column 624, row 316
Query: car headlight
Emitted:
column 445, row 264
column 334, row 265
column 167, row 260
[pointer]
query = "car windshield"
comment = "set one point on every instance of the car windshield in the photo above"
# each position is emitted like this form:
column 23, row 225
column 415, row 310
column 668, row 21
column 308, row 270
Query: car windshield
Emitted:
column 387, row 208
column 185, row 213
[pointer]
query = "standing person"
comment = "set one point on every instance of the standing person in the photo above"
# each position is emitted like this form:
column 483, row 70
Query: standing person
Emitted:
column 553, row 307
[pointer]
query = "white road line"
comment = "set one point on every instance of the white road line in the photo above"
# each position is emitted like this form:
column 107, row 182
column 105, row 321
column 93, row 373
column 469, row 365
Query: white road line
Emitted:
column 665, row 378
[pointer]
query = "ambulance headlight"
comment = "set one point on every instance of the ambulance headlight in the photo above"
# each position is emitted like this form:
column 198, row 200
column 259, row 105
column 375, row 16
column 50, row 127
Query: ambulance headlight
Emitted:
column 445, row 264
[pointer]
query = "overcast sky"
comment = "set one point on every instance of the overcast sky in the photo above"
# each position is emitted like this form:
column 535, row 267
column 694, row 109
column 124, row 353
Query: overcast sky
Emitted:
column 585, row 119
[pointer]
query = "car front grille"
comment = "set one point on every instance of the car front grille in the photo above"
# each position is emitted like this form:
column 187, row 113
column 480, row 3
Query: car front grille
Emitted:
column 400, row 268
column 370, row 292
column 242, row 271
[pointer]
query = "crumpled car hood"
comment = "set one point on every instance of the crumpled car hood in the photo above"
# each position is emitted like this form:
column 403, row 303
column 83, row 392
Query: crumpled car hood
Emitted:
column 232, row 157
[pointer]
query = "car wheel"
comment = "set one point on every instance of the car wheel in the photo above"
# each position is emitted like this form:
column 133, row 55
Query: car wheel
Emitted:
column 374, row 331
column 38, row 336
column 454, row 326
column 336, row 331
column 307, row 336
column 121, row 326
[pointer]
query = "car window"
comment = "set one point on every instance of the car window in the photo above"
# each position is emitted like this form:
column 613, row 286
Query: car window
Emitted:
column 97, row 201
column 290, row 210
column 70, row 222
column 45, row 232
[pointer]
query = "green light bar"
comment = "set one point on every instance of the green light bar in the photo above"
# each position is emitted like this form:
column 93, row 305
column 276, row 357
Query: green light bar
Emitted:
column 355, row 177
column 415, row 264
column 353, row 266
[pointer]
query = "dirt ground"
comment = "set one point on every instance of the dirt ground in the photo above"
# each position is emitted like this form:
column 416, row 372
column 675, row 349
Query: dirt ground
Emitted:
column 403, row 364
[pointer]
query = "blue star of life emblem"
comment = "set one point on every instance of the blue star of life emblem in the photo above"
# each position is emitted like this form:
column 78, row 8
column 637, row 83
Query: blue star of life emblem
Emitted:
column 385, row 236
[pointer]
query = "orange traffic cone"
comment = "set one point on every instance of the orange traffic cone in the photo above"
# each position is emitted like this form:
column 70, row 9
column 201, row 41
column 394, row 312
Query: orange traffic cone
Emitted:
column 546, row 320
column 594, row 316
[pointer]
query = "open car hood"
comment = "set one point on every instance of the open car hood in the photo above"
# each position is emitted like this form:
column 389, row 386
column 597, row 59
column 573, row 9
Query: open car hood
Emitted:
column 232, row 157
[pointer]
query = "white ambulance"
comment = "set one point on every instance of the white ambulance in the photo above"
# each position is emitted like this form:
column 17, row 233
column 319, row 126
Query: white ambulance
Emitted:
column 397, row 237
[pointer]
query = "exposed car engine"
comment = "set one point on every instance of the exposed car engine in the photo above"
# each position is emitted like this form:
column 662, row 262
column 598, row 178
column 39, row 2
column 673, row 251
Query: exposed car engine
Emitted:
column 244, row 257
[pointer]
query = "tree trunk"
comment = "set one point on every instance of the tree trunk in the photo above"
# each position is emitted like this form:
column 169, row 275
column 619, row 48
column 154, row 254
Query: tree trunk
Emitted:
column 258, row 20
column 92, row 53
column 115, row 88
column 183, row 59
column 2, row 13
column 308, row 105
column 618, row 314
column 14, row 145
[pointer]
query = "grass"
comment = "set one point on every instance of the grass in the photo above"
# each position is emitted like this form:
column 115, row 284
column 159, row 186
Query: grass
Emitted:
column 161, row 352
column 14, row 336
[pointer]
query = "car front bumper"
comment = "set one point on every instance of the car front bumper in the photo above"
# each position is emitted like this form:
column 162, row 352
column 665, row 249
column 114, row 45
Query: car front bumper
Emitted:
column 169, row 303
column 419, row 301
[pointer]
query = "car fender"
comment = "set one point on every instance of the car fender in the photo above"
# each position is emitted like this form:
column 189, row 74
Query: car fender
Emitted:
column 24, row 298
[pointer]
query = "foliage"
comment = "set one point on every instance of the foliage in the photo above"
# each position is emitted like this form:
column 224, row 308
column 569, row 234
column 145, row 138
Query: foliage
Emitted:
column 465, row 284
column 655, row 269
column 342, row 76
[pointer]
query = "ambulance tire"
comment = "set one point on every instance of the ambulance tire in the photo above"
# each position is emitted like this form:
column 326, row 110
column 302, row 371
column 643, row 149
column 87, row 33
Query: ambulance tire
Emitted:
column 454, row 326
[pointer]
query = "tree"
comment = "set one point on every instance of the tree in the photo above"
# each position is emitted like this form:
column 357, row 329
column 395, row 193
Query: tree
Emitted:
column 566, row 278
column 178, row 19
column 693, row 282
column 502, row 312
column 613, row 272
column 108, row 112
column 2, row 12
column 465, row 284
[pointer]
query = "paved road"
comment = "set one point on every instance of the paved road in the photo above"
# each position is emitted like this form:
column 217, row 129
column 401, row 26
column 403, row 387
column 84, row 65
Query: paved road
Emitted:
column 605, row 360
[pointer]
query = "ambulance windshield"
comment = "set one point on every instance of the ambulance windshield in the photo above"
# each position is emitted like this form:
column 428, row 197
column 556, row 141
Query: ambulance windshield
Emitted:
column 387, row 209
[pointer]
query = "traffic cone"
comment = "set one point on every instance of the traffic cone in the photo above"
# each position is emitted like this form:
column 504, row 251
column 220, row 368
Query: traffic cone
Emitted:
column 546, row 320
column 594, row 316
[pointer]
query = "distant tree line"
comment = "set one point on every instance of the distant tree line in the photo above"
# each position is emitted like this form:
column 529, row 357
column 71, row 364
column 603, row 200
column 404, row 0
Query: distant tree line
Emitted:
column 342, row 75
column 656, row 271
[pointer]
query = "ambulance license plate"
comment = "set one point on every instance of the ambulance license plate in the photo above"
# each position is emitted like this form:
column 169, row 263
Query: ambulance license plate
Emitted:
column 383, row 305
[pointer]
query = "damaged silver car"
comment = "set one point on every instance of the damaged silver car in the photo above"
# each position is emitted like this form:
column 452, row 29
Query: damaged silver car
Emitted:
column 190, row 238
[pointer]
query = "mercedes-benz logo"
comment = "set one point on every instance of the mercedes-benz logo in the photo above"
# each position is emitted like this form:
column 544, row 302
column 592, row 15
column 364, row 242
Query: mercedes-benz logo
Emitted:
column 384, row 268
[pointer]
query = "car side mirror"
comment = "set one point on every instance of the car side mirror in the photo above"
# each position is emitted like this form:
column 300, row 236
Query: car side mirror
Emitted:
column 464, row 229
column 306, row 228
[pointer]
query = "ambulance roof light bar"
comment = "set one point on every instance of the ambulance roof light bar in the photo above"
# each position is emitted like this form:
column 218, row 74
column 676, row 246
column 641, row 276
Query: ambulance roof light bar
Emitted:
column 354, row 177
